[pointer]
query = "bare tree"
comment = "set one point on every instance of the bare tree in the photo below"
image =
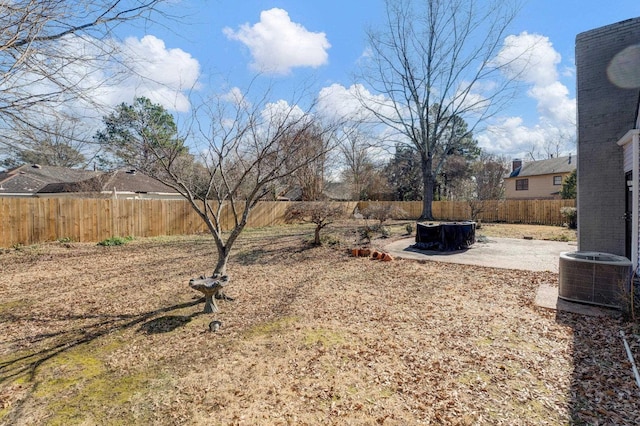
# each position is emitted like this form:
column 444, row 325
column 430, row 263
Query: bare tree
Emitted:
column 487, row 183
column 320, row 213
column 489, row 172
column 308, row 176
column 45, row 46
column 554, row 146
column 250, row 149
column 360, row 169
column 431, row 61
column 245, row 150
column 60, row 143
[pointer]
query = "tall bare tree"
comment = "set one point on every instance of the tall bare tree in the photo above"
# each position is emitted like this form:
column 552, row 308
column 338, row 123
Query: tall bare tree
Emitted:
column 562, row 143
column 487, row 182
column 310, row 177
column 431, row 61
column 45, row 46
column 360, row 169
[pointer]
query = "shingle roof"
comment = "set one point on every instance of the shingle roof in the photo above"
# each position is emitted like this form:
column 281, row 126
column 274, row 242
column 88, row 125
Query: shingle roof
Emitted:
column 119, row 181
column 546, row 167
column 132, row 181
column 31, row 178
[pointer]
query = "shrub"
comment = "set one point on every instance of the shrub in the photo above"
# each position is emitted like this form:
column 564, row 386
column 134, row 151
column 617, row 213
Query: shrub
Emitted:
column 365, row 233
column 570, row 214
column 409, row 228
column 115, row 241
column 319, row 213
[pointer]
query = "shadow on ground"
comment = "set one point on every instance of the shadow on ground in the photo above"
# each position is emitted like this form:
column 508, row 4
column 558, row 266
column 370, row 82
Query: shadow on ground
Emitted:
column 27, row 363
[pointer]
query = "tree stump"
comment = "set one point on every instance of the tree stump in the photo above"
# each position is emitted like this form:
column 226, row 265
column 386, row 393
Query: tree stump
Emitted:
column 211, row 287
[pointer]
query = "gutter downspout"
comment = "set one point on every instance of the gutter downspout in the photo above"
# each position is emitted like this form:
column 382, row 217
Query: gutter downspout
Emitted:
column 634, row 203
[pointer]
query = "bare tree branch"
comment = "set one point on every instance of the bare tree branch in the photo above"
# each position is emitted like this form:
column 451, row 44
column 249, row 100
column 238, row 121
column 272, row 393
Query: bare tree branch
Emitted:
column 53, row 55
column 434, row 61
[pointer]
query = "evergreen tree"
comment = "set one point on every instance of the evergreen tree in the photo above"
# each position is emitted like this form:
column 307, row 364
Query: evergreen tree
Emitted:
column 570, row 186
column 140, row 135
column 404, row 174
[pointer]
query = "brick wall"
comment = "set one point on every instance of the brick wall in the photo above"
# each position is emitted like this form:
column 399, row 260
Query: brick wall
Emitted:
column 605, row 114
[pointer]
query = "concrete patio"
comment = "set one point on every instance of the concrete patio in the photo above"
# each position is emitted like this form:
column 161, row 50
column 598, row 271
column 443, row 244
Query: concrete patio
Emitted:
column 509, row 253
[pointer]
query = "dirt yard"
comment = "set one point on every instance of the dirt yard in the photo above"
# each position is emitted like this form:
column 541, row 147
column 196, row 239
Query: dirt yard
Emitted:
column 114, row 335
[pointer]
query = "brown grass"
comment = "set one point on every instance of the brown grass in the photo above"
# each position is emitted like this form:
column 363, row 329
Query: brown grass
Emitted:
column 114, row 335
column 537, row 232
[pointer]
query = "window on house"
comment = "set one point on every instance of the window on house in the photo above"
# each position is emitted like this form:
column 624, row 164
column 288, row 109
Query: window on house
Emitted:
column 557, row 180
column 522, row 184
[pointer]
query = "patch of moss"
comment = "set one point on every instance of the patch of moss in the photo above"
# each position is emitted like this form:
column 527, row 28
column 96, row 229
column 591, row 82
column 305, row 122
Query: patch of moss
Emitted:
column 96, row 401
column 325, row 337
column 271, row 327
column 77, row 387
column 474, row 378
column 12, row 305
column 387, row 392
column 67, row 370
column 485, row 341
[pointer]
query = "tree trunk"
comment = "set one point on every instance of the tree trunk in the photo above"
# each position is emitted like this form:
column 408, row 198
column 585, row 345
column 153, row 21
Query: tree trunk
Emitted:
column 223, row 258
column 316, row 240
column 428, row 182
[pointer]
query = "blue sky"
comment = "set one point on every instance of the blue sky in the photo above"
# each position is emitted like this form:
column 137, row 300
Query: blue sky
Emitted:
column 216, row 41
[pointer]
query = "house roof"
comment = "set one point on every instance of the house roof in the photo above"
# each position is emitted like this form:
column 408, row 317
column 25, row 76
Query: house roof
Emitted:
column 546, row 167
column 31, row 178
column 133, row 181
column 338, row 191
column 119, row 181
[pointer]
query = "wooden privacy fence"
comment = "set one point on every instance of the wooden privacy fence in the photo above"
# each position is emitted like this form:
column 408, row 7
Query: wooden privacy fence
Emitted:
column 536, row 212
column 34, row 220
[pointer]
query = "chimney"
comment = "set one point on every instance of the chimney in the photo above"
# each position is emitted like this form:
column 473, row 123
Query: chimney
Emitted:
column 569, row 158
column 516, row 164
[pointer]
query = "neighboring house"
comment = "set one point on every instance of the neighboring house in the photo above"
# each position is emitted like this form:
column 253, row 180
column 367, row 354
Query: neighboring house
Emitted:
column 49, row 181
column 28, row 179
column 338, row 191
column 332, row 191
column 538, row 179
column 608, row 94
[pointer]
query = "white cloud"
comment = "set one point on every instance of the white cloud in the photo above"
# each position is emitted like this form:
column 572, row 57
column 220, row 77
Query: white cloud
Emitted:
column 339, row 102
column 531, row 60
column 103, row 73
column 135, row 67
column 277, row 44
column 160, row 73
column 146, row 67
column 277, row 113
column 237, row 98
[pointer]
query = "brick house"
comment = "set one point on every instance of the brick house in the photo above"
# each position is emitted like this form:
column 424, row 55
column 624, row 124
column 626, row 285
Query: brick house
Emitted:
column 608, row 94
column 539, row 180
